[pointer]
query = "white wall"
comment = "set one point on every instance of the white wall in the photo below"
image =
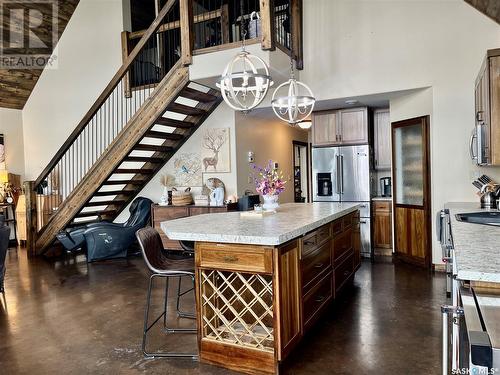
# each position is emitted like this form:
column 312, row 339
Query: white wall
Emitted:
column 379, row 46
column 11, row 126
column 269, row 139
column 88, row 55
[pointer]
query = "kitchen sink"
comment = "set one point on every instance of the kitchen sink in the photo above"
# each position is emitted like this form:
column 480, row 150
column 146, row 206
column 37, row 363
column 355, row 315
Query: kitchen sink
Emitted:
column 485, row 217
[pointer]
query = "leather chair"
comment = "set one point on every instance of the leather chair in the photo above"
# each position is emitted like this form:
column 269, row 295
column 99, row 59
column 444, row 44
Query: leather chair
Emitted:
column 4, row 245
column 107, row 240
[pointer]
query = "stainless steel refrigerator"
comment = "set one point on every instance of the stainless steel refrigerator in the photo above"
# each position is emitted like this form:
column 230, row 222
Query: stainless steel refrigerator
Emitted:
column 345, row 174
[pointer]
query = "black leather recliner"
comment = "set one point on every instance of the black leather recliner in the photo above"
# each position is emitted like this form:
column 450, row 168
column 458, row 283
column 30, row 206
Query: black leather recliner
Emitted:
column 106, row 240
column 4, row 246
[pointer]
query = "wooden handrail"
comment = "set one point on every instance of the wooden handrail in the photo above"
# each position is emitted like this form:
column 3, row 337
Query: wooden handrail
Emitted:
column 107, row 91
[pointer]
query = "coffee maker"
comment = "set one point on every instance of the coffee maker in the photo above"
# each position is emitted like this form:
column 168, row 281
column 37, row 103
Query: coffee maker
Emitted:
column 385, row 186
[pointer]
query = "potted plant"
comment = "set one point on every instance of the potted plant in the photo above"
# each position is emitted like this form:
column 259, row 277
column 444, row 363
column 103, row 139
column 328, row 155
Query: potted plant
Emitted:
column 269, row 183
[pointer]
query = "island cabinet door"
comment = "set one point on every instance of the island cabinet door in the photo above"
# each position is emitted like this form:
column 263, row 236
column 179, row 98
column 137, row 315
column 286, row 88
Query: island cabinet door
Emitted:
column 287, row 298
column 236, row 306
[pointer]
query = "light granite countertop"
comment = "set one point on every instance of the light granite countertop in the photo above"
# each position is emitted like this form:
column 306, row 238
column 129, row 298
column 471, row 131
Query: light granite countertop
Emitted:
column 477, row 247
column 291, row 220
column 379, row 198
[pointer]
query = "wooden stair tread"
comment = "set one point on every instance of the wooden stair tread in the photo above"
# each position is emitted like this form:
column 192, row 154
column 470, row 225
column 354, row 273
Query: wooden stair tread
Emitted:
column 144, row 159
column 199, row 96
column 174, row 123
column 124, row 182
column 159, row 148
column 113, row 192
column 185, row 109
column 163, row 135
column 95, row 213
column 144, row 171
column 106, row 203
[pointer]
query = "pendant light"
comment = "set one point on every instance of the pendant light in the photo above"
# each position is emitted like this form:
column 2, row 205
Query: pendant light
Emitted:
column 245, row 80
column 292, row 101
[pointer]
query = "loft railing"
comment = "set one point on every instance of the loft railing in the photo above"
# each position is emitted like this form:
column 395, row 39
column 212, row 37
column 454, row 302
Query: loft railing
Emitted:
column 152, row 57
column 288, row 28
column 216, row 24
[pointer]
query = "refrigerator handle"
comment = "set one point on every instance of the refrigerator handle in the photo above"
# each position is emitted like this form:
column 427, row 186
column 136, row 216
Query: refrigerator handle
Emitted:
column 341, row 174
column 337, row 169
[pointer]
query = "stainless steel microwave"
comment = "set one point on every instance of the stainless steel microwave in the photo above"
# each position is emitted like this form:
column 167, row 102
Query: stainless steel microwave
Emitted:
column 478, row 147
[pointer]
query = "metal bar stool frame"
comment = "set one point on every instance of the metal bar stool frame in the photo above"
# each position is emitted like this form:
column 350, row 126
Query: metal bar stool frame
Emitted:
column 150, row 237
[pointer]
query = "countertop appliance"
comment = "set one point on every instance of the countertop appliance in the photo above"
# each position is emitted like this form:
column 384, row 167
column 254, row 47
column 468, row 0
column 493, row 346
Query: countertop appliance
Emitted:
column 349, row 171
column 385, row 186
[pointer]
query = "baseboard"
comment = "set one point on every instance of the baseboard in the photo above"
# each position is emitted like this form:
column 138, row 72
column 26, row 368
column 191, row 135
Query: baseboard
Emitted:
column 439, row 267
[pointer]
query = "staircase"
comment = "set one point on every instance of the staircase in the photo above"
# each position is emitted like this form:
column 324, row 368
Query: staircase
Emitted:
column 146, row 113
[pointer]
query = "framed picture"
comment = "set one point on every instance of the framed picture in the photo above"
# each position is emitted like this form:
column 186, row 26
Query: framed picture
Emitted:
column 2, row 153
column 215, row 152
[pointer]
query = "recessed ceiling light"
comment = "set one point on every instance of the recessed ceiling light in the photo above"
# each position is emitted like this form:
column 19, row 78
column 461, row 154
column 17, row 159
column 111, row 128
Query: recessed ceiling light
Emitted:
column 351, row 102
column 305, row 124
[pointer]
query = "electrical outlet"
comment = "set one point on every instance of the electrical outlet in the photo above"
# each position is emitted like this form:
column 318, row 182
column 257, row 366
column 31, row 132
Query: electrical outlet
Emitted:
column 250, row 179
column 275, row 165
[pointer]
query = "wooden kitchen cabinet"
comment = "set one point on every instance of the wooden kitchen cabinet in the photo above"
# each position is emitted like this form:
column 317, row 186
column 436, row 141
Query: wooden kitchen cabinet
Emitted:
column 353, row 126
column 382, row 223
column 382, row 127
column 324, row 129
column 487, row 110
column 340, row 127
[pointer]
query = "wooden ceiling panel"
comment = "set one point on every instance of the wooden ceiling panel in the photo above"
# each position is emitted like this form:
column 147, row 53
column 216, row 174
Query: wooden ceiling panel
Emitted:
column 16, row 85
column 490, row 8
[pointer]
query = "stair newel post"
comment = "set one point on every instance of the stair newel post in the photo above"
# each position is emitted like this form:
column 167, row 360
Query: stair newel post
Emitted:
column 267, row 24
column 296, row 33
column 187, row 34
column 31, row 217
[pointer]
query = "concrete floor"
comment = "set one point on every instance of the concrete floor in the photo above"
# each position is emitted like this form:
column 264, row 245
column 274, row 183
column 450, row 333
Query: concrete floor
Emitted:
column 68, row 317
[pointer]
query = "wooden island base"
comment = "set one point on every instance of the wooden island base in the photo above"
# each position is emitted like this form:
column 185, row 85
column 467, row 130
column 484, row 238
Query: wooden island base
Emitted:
column 254, row 303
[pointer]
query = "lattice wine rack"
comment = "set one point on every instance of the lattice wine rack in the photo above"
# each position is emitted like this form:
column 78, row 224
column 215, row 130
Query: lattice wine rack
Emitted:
column 237, row 308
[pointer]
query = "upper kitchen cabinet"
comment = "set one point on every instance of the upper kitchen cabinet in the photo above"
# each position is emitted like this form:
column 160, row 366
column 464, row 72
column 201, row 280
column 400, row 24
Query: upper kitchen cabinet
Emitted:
column 340, row 127
column 485, row 138
column 382, row 124
column 324, row 129
column 353, row 126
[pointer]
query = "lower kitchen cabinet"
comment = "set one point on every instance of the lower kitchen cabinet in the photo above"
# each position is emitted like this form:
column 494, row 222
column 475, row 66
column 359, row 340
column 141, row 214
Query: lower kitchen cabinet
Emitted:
column 382, row 223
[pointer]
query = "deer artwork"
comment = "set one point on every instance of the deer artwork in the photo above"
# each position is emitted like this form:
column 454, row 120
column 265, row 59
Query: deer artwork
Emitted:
column 213, row 140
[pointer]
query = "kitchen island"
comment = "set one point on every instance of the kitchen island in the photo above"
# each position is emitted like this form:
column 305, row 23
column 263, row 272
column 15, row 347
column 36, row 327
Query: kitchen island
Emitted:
column 262, row 282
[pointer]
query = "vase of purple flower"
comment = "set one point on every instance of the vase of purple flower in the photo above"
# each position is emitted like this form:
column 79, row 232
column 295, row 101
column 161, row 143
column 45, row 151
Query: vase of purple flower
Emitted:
column 269, row 183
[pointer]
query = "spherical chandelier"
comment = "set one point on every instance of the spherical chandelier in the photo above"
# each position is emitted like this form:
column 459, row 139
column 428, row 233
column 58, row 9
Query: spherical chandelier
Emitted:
column 293, row 101
column 245, row 81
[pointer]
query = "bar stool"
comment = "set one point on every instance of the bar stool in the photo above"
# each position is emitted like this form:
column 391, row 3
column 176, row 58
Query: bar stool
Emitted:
column 164, row 266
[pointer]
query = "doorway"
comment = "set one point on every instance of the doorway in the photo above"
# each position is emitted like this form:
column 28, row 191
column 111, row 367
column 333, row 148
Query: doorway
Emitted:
column 300, row 172
column 412, row 196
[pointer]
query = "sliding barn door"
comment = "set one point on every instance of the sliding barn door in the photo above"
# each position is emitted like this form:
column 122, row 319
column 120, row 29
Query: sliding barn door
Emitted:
column 411, row 180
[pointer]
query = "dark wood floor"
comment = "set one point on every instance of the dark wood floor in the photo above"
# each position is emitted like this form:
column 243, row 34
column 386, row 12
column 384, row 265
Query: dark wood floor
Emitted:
column 70, row 318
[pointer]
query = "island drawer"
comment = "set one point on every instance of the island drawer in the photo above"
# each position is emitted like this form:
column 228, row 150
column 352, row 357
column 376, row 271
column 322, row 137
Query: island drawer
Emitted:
column 342, row 244
column 314, row 239
column 343, row 272
column 234, row 257
column 315, row 264
column 316, row 299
